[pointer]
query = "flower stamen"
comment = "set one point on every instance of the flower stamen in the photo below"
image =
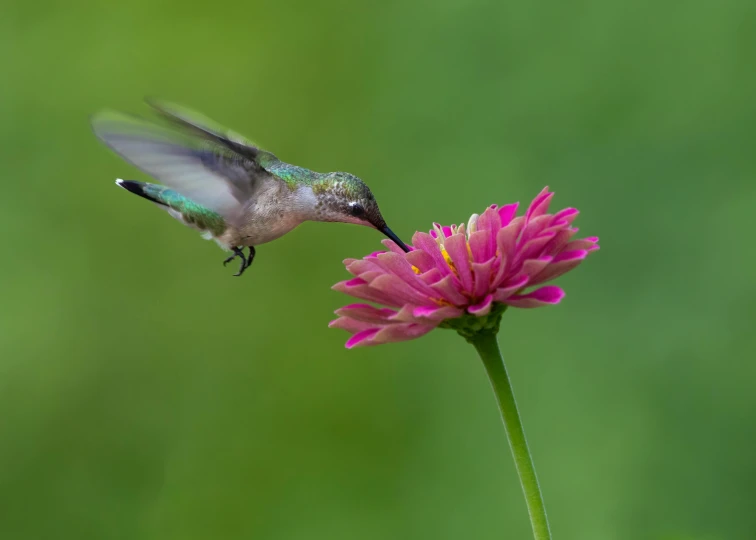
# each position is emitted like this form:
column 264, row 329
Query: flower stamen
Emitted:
column 449, row 261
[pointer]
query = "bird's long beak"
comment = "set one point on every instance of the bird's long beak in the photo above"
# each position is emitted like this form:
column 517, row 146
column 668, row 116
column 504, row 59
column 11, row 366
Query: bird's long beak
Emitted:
column 388, row 232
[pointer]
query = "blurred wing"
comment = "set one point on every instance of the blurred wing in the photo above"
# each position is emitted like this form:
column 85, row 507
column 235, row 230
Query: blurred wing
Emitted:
column 205, row 127
column 199, row 168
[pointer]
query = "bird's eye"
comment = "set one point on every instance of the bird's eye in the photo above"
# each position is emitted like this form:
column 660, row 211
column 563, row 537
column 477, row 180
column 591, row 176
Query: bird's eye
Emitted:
column 356, row 209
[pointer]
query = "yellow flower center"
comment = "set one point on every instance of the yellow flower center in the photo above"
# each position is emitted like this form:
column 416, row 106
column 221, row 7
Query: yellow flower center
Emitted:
column 449, row 261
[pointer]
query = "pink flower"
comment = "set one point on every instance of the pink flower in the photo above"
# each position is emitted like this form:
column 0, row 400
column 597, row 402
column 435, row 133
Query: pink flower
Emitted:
column 461, row 271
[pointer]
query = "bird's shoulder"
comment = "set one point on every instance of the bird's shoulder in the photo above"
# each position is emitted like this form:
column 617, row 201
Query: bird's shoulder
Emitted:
column 291, row 175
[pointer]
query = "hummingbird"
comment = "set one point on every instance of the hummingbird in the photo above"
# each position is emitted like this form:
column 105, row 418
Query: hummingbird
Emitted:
column 231, row 190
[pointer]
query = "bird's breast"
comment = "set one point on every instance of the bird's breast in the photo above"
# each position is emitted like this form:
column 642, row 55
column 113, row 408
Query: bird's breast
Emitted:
column 275, row 211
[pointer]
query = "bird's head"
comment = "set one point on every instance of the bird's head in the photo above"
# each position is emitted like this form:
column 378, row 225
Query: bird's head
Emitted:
column 344, row 197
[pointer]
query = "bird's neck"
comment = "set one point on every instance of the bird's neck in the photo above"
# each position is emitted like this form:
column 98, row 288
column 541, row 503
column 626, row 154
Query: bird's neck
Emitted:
column 309, row 204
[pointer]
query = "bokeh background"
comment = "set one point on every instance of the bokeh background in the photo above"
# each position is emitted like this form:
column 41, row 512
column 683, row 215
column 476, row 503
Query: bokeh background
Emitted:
column 147, row 394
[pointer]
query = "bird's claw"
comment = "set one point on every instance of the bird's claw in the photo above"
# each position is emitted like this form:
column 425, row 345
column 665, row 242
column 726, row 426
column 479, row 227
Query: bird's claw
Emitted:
column 246, row 261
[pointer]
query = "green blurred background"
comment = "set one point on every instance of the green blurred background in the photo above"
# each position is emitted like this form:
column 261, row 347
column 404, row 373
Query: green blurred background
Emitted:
column 147, row 394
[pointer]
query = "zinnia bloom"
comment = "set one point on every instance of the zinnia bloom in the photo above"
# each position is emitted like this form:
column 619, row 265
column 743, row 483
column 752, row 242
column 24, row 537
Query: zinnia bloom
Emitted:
column 455, row 272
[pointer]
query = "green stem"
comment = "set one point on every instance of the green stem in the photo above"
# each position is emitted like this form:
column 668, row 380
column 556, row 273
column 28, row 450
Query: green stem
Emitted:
column 488, row 349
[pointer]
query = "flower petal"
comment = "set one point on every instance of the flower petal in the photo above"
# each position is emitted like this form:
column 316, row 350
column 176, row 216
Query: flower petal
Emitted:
column 588, row 244
column 472, row 224
column 389, row 334
column 449, row 289
column 361, row 338
column 361, row 266
column 565, row 217
column 507, row 213
column 534, row 246
column 511, row 287
column 358, row 288
column 429, row 245
column 482, row 277
column 437, row 314
column 441, row 231
column 367, row 313
column 559, row 241
column 482, row 308
column 420, row 260
column 431, row 276
column 544, row 296
column 534, row 228
column 350, row 325
column 481, row 246
column 392, row 247
column 564, row 262
column 456, row 247
column 397, row 264
column 506, row 240
column 402, row 332
column 396, row 289
column 425, row 314
column 533, row 267
column 540, row 204
column 491, row 222
column 372, row 275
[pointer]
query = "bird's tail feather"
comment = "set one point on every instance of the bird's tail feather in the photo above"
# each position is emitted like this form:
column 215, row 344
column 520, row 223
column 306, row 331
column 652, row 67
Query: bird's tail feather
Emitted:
column 183, row 208
column 143, row 190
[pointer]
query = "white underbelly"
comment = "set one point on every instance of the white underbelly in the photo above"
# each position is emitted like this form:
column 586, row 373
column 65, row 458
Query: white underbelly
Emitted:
column 257, row 232
column 275, row 212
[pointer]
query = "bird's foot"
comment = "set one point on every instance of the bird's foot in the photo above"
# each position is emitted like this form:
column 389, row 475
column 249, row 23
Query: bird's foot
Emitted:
column 246, row 261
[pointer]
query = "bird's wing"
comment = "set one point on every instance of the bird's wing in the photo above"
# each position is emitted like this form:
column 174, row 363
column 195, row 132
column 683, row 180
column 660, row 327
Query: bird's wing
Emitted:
column 208, row 128
column 196, row 166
